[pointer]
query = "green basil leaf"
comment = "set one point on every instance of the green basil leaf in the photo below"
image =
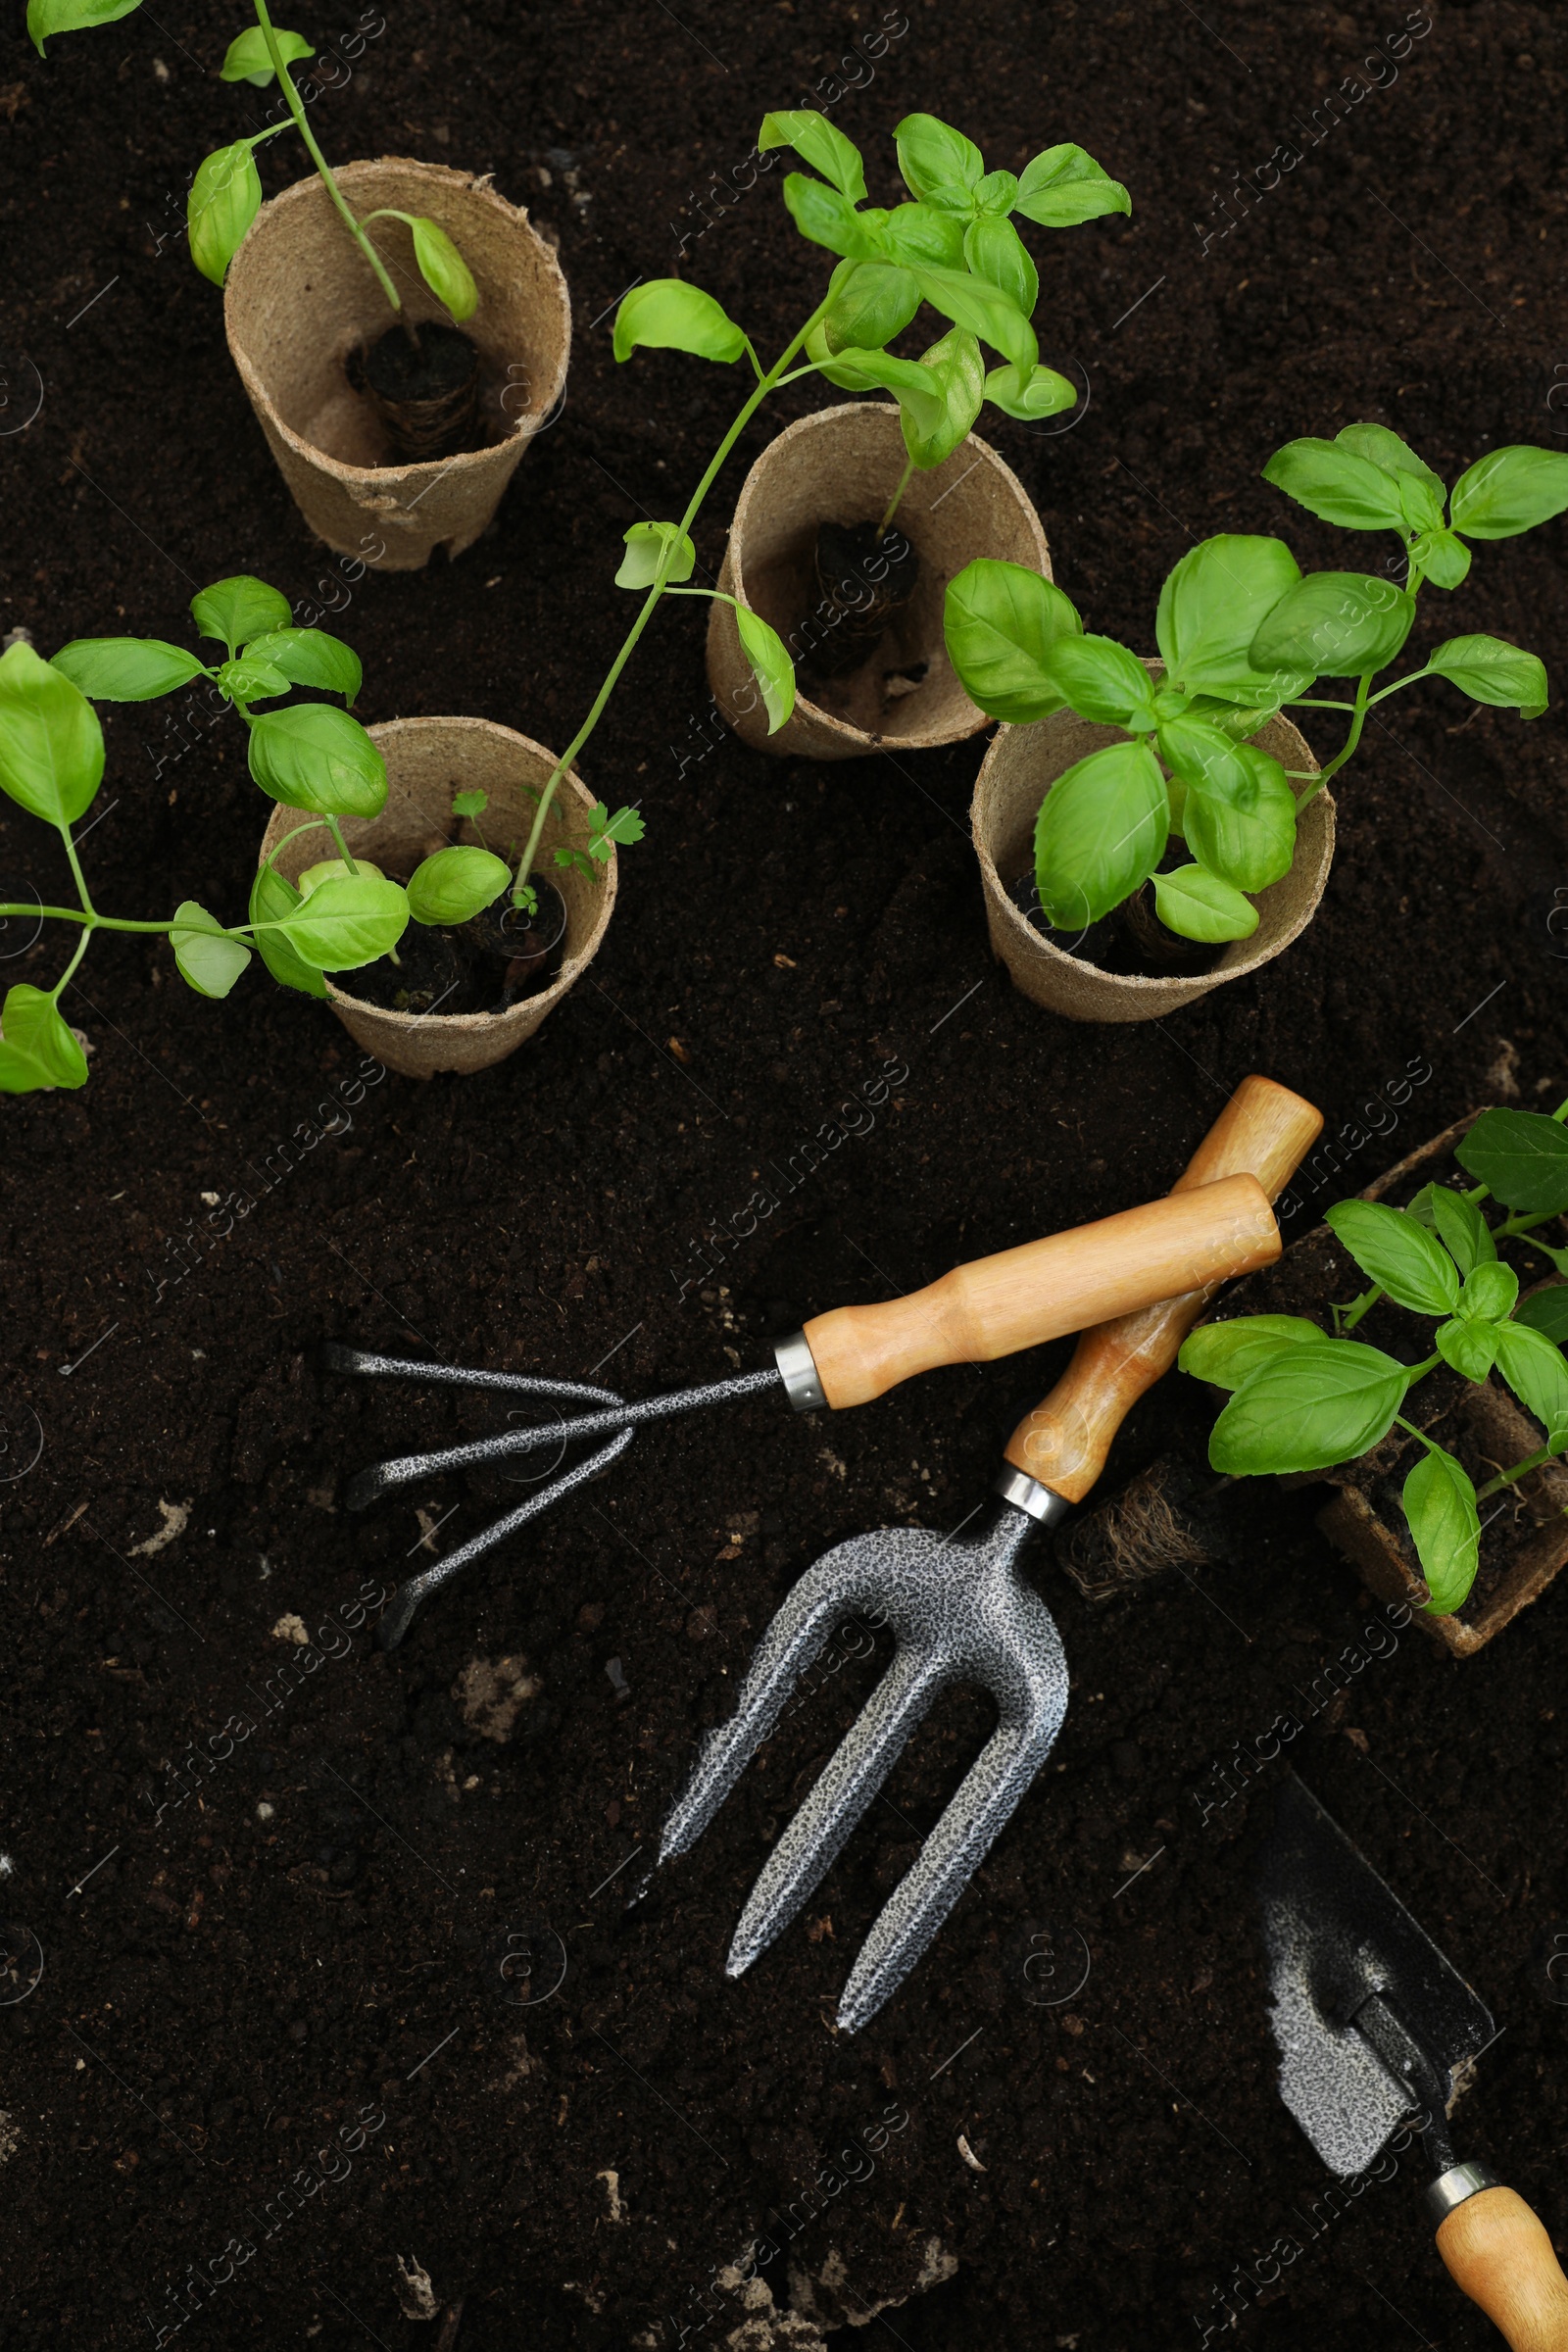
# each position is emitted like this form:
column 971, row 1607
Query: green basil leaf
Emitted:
column 1439, row 1503
column 1339, row 624
column 36, row 1047
column 1308, row 1408
column 1463, row 1229
column 1537, row 1374
column 999, row 622
column 818, row 142
column 1041, row 392
column 45, row 18
column 209, row 961
column 982, row 310
column 1386, row 448
column 918, row 391
column 125, row 670
column 51, row 744
column 1508, row 491
column 771, row 665
column 451, row 885
column 310, row 657
column 246, row 680
column 443, row 267
column 348, row 920
column 248, row 59
column 239, row 609
column 1227, row 1354
column 960, row 375
column 1410, row 1263
column 995, row 250
column 1212, row 605
column 1249, row 842
column 1330, row 480
column 1471, row 1349
column 917, row 233
column 1197, row 905
column 1547, row 1311
column 667, row 315
column 1063, row 186
column 874, row 303
column 1490, row 1291
column 273, row 900
column 1206, row 758
column 226, row 197
column 649, row 546
column 1521, row 1156
column 1444, row 559
column 1489, row 670
column 932, row 156
column 1102, row 831
column 829, row 219
column 1103, row 681
column 997, row 194
column 315, row 756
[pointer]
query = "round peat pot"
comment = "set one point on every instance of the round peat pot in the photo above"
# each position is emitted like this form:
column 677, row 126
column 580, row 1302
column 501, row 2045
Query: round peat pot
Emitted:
column 1018, row 771
column 841, row 466
column 428, row 760
column 304, row 312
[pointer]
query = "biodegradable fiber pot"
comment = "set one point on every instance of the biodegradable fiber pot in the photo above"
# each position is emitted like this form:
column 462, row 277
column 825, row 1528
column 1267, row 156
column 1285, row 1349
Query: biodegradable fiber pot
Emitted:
column 301, row 298
column 1018, row 771
column 428, row 760
column 843, row 466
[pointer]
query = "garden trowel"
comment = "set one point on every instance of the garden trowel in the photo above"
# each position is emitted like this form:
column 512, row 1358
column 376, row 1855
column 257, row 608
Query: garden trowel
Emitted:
column 963, row 1612
column 1376, row 2030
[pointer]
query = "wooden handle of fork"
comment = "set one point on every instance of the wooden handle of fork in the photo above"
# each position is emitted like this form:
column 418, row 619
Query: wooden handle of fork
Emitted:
column 1500, row 2254
column 1264, row 1130
column 1044, row 1289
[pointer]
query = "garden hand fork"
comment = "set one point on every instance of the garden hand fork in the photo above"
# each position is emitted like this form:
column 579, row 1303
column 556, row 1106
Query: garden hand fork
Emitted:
column 961, row 1613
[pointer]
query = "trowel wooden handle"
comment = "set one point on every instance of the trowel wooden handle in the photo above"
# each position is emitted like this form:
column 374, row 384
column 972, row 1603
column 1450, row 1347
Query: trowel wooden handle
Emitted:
column 1264, row 1130
column 1498, row 2253
column 1025, row 1296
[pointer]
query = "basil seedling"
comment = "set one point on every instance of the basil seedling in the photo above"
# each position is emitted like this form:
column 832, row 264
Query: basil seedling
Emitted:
column 955, row 247
column 225, row 194
column 1304, row 1400
column 309, row 755
column 1242, row 636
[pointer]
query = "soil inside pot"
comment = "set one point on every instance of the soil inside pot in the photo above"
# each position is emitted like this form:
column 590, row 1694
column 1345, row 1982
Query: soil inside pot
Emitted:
column 1130, row 941
column 425, row 392
column 863, row 582
column 487, row 964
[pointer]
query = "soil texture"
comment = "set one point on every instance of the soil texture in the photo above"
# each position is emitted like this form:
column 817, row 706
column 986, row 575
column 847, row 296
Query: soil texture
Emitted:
column 326, row 1974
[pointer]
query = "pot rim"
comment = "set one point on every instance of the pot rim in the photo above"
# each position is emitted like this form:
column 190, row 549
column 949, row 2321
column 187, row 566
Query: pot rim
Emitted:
column 981, row 452
column 426, row 470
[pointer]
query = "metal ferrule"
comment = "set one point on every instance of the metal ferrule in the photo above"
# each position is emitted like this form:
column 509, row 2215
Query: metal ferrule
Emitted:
column 1453, row 2187
column 1026, row 1493
column 803, row 1383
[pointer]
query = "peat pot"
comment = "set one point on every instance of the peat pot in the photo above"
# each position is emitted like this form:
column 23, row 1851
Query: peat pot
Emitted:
column 1018, row 771
column 841, row 466
column 428, row 760
column 301, row 304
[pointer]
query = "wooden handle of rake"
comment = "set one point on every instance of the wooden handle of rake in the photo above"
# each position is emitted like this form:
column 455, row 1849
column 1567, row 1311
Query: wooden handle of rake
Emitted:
column 1022, row 1296
column 1265, row 1131
column 1500, row 2254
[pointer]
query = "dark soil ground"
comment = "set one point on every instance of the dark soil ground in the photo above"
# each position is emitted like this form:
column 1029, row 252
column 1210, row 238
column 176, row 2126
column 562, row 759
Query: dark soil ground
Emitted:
column 312, row 1932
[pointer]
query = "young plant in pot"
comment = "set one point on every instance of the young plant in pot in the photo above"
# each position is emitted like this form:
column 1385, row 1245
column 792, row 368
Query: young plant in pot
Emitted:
column 1151, row 851
column 1305, row 1399
column 955, row 247
column 343, row 914
column 423, row 380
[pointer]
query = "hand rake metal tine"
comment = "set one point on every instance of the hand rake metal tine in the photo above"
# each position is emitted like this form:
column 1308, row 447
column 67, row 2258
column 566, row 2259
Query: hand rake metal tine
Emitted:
column 398, row 1613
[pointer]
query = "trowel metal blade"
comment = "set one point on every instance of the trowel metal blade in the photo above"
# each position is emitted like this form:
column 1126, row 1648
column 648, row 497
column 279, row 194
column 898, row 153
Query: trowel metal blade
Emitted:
column 1336, row 1933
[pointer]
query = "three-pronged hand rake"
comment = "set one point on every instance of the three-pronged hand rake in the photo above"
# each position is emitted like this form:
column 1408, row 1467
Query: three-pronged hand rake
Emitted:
column 991, row 1308
column 960, row 1612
